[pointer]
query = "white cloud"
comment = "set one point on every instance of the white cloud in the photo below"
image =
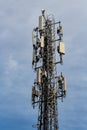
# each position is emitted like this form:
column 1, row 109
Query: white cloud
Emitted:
column 11, row 65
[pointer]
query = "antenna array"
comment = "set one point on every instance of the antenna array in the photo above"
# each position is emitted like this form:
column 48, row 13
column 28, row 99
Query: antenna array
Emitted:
column 47, row 87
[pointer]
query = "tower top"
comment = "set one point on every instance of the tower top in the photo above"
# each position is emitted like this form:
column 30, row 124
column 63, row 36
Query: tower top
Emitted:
column 43, row 11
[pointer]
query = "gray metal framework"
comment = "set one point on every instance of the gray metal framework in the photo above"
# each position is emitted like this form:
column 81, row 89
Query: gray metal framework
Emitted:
column 47, row 87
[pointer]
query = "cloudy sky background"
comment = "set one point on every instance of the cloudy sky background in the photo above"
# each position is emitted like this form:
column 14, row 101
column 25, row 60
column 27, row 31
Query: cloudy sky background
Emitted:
column 17, row 20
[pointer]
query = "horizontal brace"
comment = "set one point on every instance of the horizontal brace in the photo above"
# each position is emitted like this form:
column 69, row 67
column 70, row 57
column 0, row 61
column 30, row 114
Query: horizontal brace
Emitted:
column 52, row 24
column 38, row 67
column 48, row 99
column 59, row 62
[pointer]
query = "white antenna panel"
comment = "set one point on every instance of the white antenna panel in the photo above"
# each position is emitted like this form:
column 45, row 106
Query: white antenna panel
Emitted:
column 41, row 22
column 64, row 83
column 61, row 48
column 42, row 41
column 39, row 75
column 33, row 40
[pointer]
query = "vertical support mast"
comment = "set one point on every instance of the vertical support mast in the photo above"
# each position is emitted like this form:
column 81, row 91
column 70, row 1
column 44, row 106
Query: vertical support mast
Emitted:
column 48, row 87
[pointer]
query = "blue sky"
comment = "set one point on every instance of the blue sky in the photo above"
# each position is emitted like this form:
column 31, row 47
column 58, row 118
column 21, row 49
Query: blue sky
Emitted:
column 17, row 20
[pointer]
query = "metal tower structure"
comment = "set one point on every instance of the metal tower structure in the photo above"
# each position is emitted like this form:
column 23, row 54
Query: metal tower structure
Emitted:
column 47, row 87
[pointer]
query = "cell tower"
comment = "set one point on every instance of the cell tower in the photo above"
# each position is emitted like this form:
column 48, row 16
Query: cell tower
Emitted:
column 47, row 87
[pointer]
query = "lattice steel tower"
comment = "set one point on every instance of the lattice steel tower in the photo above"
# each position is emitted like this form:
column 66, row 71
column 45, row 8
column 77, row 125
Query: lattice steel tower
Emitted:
column 47, row 87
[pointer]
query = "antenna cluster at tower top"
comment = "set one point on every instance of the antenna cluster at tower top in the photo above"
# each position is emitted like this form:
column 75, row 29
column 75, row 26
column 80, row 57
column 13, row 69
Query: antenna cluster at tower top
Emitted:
column 48, row 86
